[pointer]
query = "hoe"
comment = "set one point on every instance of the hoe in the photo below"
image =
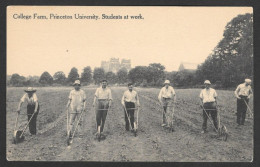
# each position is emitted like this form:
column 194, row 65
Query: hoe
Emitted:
column 18, row 134
column 222, row 130
column 134, row 129
column 69, row 135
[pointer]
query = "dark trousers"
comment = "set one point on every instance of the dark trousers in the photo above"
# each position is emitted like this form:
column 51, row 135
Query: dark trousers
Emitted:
column 241, row 109
column 211, row 110
column 130, row 114
column 32, row 124
column 101, row 114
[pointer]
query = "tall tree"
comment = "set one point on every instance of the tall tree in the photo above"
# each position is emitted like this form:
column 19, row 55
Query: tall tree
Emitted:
column 139, row 74
column 86, row 75
column 73, row 75
column 46, row 78
column 59, row 77
column 111, row 77
column 17, row 80
column 232, row 59
column 122, row 75
column 98, row 75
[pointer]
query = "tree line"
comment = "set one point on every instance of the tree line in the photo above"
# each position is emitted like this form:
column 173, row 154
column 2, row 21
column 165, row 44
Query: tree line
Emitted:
column 229, row 64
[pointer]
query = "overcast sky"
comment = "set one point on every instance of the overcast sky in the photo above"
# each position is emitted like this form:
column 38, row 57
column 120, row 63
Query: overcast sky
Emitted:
column 166, row 35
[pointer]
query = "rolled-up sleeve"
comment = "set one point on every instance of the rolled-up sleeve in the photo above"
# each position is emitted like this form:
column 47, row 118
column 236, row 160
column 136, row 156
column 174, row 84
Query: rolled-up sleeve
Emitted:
column 160, row 95
column 123, row 99
column 70, row 95
column 201, row 94
column 110, row 95
column 23, row 98
column 96, row 93
column 35, row 99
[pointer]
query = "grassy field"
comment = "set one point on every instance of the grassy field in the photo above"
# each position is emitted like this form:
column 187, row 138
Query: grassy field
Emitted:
column 153, row 143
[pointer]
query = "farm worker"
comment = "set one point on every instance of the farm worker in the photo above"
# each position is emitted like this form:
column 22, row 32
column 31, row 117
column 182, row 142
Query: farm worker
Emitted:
column 77, row 103
column 129, row 100
column 32, row 107
column 166, row 97
column 103, row 97
column 243, row 94
column 208, row 97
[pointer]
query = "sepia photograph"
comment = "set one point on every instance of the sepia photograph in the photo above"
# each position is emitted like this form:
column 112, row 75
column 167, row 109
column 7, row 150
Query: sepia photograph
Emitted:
column 130, row 83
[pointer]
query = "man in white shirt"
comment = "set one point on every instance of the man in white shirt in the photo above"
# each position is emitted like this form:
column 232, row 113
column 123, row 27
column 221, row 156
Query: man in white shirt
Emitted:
column 129, row 100
column 77, row 103
column 104, row 97
column 167, row 97
column 33, row 107
column 243, row 94
column 208, row 96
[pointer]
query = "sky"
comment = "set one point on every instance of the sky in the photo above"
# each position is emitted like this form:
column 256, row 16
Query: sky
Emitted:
column 166, row 35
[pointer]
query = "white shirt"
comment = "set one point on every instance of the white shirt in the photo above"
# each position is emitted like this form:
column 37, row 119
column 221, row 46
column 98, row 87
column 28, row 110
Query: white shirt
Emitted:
column 243, row 90
column 103, row 93
column 31, row 100
column 77, row 99
column 208, row 95
column 166, row 93
column 130, row 97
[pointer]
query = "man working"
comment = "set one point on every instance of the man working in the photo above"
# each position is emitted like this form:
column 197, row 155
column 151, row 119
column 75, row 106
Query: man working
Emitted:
column 167, row 98
column 77, row 102
column 33, row 108
column 104, row 97
column 243, row 94
column 129, row 100
column 208, row 97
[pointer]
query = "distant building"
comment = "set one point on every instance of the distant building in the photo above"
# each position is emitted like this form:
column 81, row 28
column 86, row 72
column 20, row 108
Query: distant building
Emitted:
column 126, row 64
column 114, row 65
column 105, row 65
column 191, row 67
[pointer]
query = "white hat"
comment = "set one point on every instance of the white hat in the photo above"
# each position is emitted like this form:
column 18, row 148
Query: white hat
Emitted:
column 30, row 89
column 166, row 82
column 248, row 80
column 207, row 82
column 77, row 82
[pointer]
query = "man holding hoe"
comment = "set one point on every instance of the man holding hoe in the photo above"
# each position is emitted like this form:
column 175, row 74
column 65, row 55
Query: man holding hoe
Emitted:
column 103, row 97
column 129, row 101
column 167, row 97
column 77, row 103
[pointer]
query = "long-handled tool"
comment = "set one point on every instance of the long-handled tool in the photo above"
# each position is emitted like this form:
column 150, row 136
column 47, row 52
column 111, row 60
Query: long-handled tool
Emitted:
column 18, row 134
column 248, row 108
column 136, row 122
column 222, row 129
column 169, row 117
column 98, row 135
column 75, row 129
column 128, row 118
column 209, row 117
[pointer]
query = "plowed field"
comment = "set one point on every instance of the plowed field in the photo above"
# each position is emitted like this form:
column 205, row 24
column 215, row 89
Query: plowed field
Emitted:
column 153, row 142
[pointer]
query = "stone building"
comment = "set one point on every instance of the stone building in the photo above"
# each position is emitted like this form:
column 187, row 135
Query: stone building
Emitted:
column 114, row 65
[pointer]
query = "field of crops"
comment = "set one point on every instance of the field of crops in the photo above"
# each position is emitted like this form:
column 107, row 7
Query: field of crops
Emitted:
column 153, row 142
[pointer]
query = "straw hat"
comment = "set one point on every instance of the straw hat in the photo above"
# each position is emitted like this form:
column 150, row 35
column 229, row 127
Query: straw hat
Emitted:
column 76, row 82
column 30, row 89
column 248, row 80
column 207, row 82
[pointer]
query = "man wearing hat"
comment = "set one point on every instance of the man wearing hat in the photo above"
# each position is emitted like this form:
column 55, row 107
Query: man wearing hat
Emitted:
column 33, row 107
column 77, row 103
column 208, row 97
column 167, row 97
column 129, row 100
column 103, row 97
column 243, row 94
